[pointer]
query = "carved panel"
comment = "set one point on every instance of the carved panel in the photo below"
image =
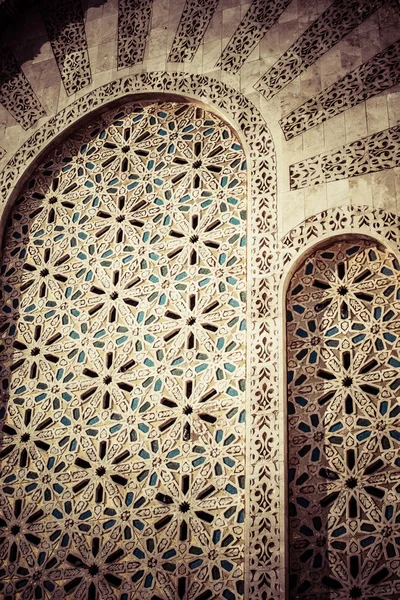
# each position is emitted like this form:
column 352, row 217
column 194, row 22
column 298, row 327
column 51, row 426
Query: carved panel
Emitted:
column 133, row 29
column 259, row 18
column 195, row 19
column 372, row 77
column 263, row 177
column 16, row 93
column 66, row 30
column 367, row 155
column 336, row 21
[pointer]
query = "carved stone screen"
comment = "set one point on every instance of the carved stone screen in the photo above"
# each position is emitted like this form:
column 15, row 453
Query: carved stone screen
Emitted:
column 123, row 363
column 344, row 420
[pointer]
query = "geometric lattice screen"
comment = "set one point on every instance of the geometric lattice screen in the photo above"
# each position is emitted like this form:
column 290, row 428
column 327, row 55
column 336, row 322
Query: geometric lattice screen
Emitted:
column 123, row 364
column 344, row 424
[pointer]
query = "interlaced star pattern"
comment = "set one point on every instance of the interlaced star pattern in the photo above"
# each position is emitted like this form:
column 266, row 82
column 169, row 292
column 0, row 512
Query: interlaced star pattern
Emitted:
column 122, row 343
column 344, row 419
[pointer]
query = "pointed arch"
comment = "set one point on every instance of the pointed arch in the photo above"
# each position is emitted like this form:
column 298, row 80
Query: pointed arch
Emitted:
column 262, row 459
column 331, row 256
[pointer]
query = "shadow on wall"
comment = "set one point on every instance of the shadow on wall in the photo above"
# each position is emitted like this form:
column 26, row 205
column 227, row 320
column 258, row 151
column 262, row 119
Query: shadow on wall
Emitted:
column 23, row 29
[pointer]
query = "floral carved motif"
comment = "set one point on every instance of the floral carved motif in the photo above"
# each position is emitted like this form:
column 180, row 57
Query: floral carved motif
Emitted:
column 370, row 154
column 339, row 19
column 16, row 93
column 66, row 30
column 195, row 18
column 133, row 29
column 259, row 18
column 362, row 219
column 372, row 77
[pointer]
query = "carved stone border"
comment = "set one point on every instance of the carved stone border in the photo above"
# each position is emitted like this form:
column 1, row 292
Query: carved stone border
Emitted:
column 134, row 17
column 257, row 21
column 194, row 22
column 372, row 77
column 65, row 26
column 339, row 19
column 16, row 93
column 265, row 518
column 365, row 220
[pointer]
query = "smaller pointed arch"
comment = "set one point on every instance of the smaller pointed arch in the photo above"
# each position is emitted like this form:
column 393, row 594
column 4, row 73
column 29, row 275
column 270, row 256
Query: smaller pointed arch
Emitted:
column 343, row 381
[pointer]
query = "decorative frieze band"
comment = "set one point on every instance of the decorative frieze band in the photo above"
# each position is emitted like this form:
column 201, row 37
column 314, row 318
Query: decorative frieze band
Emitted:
column 66, row 30
column 336, row 21
column 379, row 73
column 373, row 153
column 133, row 27
column 259, row 18
column 16, row 93
column 362, row 219
column 195, row 19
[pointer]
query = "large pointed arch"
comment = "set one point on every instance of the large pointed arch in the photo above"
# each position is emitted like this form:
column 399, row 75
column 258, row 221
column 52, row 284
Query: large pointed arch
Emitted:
column 263, row 537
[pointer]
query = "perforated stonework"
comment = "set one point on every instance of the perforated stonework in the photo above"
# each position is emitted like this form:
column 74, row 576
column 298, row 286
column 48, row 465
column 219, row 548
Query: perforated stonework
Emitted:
column 263, row 526
column 343, row 373
column 123, row 346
